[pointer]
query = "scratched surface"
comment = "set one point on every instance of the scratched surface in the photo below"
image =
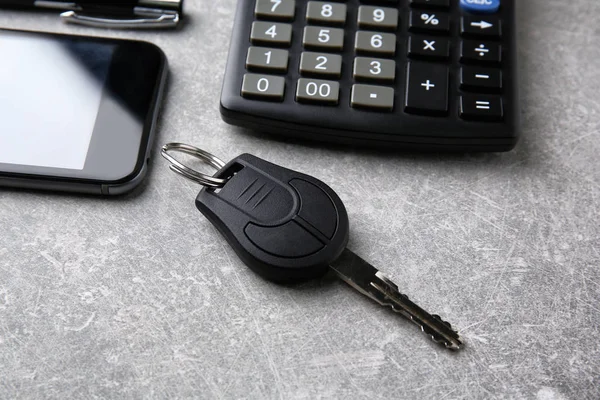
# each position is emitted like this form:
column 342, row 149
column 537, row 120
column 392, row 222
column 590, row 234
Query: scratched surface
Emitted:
column 139, row 297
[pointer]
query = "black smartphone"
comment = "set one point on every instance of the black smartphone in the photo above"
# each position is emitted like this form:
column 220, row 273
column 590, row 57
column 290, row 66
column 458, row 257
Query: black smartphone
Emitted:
column 77, row 113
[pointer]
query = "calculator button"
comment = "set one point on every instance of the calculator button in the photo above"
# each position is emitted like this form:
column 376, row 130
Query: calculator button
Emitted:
column 481, row 108
column 321, row 64
column 490, row 27
column 427, row 88
column 429, row 21
column 265, row 87
column 430, row 3
column 375, row 42
column 480, row 79
column 271, row 32
column 323, row 38
column 480, row 6
column 378, row 17
column 317, row 91
column 321, row 12
column 374, row 69
column 278, row 9
column 267, row 59
column 480, row 52
column 375, row 97
column 430, row 47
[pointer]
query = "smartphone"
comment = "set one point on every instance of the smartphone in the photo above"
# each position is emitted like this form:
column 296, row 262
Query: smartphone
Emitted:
column 77, row 113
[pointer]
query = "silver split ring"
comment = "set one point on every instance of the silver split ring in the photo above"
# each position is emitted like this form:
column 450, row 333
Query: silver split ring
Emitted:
column 191, row 173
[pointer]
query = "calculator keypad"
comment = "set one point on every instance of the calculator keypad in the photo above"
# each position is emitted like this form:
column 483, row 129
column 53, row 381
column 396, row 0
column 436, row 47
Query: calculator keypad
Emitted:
column 263, row 58
column 478, row 26
column 321, row 64
column 443, row 4
column 429, row 22
column 384, row 18
column 316, row 37
column 320, row 12
column 480, row 79
column 375, row 43
column 401, row 61
column 480, row 52
column 373, row 97
column 427, row 88
column 428, row 47
column 374, row 69
column 318, row 91
column 264, row 87
column 278, row 10
column 481, row 107
column 271, row 33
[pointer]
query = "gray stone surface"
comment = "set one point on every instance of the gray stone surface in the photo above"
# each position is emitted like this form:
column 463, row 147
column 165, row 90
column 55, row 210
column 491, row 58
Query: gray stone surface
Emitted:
column 139, row 297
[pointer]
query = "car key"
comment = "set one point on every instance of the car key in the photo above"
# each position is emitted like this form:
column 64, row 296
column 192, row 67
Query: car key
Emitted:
column 291, row 227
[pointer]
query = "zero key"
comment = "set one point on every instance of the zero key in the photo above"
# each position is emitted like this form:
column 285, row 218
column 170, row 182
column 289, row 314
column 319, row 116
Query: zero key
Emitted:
column 263, row 87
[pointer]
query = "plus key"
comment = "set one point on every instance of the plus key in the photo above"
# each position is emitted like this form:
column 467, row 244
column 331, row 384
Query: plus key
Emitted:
column 427, row 89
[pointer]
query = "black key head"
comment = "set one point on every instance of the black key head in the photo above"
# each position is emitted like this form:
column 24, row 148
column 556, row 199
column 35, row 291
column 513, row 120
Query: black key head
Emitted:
column 284, row 225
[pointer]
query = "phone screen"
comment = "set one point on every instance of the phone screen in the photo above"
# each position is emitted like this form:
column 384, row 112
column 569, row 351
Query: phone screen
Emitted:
column 50, row 94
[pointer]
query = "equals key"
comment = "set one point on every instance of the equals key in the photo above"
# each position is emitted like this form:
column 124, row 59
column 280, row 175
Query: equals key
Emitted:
column 481, row 108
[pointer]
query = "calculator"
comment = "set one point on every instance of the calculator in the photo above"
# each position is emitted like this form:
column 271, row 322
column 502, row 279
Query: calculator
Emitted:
column 427, row 75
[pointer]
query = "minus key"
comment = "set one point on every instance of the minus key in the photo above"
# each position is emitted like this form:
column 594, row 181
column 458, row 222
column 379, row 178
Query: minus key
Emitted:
column 379, row 98
column 478, row 79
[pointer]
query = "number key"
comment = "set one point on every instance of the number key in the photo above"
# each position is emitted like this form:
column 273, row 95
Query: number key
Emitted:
column 317, row 91
column 264, row 87
column 267, row 59
column 321, row 64
column 270, row 32
column 374, row 69
column 275, row 9
column 328, row 13
column 325, row 38
column 377, row 17
column 375, row 42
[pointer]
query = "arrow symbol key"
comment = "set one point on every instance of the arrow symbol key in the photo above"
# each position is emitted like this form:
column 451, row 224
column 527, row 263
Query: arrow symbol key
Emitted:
column 482, row 24
column 478, row 27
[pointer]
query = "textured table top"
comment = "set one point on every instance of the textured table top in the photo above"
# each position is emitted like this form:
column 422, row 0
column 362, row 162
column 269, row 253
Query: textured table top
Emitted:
column 141, row 297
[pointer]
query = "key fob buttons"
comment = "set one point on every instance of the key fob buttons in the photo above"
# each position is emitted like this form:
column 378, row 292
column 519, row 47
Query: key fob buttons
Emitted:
column 289, row 240
column 285, row 225
column 316, row 207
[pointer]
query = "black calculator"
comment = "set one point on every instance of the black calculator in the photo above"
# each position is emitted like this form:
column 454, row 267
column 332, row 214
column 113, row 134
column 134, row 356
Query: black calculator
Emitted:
column 435, row 75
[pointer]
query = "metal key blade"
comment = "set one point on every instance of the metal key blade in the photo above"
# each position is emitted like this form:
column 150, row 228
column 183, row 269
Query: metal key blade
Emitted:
column 371, row 282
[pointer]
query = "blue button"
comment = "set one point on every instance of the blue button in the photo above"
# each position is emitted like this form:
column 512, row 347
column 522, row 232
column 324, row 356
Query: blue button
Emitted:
column 480, row 6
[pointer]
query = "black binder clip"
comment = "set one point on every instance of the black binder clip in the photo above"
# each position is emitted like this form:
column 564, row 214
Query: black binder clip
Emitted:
column 124, row 14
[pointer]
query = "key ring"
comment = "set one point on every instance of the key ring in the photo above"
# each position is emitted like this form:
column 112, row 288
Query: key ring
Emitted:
column 190, row 173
